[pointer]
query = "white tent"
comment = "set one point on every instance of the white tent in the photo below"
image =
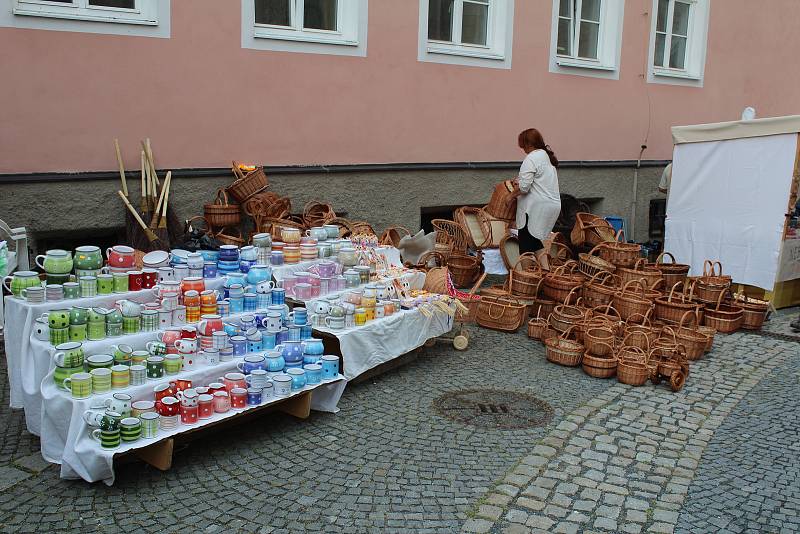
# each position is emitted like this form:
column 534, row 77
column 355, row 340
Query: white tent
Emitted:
column 732, row 186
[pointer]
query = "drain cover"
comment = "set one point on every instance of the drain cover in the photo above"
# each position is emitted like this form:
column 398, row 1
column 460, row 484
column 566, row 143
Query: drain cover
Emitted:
column 491, row 408
column 773, row 335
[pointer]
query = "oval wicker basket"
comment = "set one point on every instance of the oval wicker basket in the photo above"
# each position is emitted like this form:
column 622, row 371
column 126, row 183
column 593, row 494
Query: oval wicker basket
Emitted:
column 712, row 283
column 503, row 202
column 476, row 225
column 754, row 312
column 631, row 304
column 393, row 235
column 599, row 340
column 598, row 366
column 632, row 366
column 225, row 237
column 316, row 213
column 640, row 271
column 524, row 281
column 619, row 253
column 600, row 289
column 220, row 212
column 536, row 327
column 567, row 316
column 669, row 309
column 671, row 272
column 561, row 281
column 590, row 265
column 564, row 351
column 693, row 341
column 500, row 313
column 247, row 185
column 464, row 269
column 724, row 318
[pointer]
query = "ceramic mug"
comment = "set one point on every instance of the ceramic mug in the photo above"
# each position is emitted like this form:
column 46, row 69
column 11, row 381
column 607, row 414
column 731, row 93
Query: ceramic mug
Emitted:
column 130, row 429
column 138, row 374
column 172, row 364
column 109, row 439
column 155, row 367
column 120, row 403
column 101, row 379
column 150, row 425
column 282, row 385
column 105, row 420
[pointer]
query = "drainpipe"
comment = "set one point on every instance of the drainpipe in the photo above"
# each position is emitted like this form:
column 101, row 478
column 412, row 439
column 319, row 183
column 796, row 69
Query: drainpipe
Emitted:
column 635, row 201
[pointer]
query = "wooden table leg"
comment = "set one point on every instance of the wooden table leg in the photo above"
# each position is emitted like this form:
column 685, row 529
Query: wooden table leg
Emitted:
column 159, row 455
column 298, row 406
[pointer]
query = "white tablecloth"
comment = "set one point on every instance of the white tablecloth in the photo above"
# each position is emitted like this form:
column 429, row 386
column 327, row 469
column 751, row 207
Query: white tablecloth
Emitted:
column 280, row 272
column 29, row 359
column 493, row 261
column 66, row 437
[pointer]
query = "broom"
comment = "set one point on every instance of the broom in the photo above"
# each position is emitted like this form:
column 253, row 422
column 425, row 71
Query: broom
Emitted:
column 145, row 178
column 157, row 211
column 162, row 232
column 151, row 236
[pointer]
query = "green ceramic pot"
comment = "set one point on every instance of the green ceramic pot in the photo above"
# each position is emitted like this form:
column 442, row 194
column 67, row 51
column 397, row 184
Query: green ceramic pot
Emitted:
column 88, row 257
column 58, row 318
column 60, row 373
column 56, row 261
column 78, row 315
column 20, row 280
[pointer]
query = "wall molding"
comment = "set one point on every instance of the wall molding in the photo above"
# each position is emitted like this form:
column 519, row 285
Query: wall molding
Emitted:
column 217, row 172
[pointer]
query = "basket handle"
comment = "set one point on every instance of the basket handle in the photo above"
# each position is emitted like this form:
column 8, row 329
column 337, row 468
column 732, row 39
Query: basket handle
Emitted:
column 672, row 292
column 236, row 170
column 601, row 245
column 708, row 268
column 610, row 348
column 670, row 330
column 629, row 282
column 719, row 299
column 196, row 217
column 569, row 295
column 222, row 197
column 639, row 262
column 689, row 313
column 717, row 263
column 492, row 306
column 661, row 256
column 617, row 235
column 565, row 334
column 608, row 308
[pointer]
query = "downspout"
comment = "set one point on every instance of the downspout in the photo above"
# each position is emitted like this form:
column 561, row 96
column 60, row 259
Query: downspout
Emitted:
column 635, row 200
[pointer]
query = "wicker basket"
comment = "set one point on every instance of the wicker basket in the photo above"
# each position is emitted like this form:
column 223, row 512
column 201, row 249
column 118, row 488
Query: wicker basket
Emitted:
column 227, row 237
column 632, row 366
column 500, row 313
column 671, row 272
column 709, row 333
column 537, row 326
column 523, row 281
column 754, row 312
column 430, row 259
column 436, row 280
column 599, row 340
column 564, row 351
column 561, row 281
column 221, row 213
column 470, row 302
column 632, row 304
column 542, row 307
column 620, row 253
column 566, row 316
column 591, row 230
column 724, row 318
column 640, row 271
column 590, row 265
column 393, row 235
column 499, row 230
column 362, row 227
column 247, row 185
column 598, row 366
column 273, row 226
column 693, row 341
column 503, row 203
column 600, row 289
column 509, row 250
column 671, row 310
column 712, row 283
column 316, row 213
column 464, row 269
column 476, row 225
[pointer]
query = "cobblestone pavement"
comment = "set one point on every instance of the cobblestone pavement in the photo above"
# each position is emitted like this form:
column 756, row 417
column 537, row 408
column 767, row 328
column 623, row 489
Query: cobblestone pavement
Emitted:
column 647, row 460
column 613, row 458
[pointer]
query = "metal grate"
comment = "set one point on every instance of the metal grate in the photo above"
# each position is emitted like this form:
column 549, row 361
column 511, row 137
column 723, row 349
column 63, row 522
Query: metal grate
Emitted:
column 773, row 335
column 491, row 408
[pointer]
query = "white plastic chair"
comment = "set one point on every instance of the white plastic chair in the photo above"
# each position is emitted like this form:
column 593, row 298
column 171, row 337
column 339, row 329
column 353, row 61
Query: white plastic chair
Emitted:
column 18, row 259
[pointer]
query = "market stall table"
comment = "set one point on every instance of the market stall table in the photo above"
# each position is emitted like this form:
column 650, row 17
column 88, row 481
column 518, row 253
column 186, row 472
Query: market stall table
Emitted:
column 279, row 272
column 29, row 359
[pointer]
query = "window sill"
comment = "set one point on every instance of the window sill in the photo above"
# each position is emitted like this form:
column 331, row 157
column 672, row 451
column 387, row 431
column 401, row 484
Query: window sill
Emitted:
column 87, row 18
column 306, row 38
column 465, row 51
column 668, row 73
column 578, row 64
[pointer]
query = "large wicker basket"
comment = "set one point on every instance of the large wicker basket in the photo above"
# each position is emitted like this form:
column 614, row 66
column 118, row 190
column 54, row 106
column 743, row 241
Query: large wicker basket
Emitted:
column 247, row 185
column 712, row 283
column 640, row 271
column 724, row 318
column 598, row 366
column 620, row 253
column 523, row 280
column 476, row 225
column 671, row 272
column 221, row 213
column 464, row 269
column 600, row 289
column 503, row 204
column 500, row 313
column 316, row 213
column 669, row 309
column 590, row 265
column 754, row 312
column 631, row 303
column 632, row 368
column 561, row 281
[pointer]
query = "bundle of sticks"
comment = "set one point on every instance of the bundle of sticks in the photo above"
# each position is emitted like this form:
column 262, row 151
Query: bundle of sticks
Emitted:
column 153, row 205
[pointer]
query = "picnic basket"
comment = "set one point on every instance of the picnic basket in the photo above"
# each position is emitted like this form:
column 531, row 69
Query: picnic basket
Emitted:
column 671, row 272
column 561, row 281
column 525, row 282
column 590, row 265
column 564, row 351
column 464, row 269
column 754, row 312
column 500, row 313
column 630, row 303
column 724, row 318
column 566, row 316
column 632, row 366
column 712, row 283
column 671, row 310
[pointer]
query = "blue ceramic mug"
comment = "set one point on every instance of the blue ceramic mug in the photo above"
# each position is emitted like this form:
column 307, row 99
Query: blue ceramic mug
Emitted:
column 251, row 363
column 305, row 332
column 254, row 345
column 253, row 396
column 294, row 333
column 250, row 302
column 209, row 269
column 278, row 295
column 299, row 316
column 330, row 366
column 298, row 375
column 313, row 347
column 313, row 373
column 268, row 340
column 236, row 305
column 239, row 344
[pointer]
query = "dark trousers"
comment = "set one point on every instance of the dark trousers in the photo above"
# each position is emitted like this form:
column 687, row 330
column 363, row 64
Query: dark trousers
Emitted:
column 528, row 243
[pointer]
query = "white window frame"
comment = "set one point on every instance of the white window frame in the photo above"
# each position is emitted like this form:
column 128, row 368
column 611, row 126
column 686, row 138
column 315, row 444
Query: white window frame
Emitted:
column 346, row 32
column 145, row 11
column 499, row 36
column 349, row 39
column 696, row 45
column 609, row 44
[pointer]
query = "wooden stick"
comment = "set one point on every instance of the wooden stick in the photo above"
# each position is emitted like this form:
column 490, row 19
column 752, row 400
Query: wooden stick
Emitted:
column 167, row 184
column 143, row 203
column 147, row 231
column 121, row 168
column 149, row 152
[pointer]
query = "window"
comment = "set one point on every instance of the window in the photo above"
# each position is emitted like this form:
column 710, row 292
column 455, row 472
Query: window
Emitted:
column 453, row 30
column 316, row 21
column 586, row 37
column 121, row 11
column 678, row 40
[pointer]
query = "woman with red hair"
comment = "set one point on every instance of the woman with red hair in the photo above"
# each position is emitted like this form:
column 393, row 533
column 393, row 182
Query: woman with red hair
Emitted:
column 539, row 204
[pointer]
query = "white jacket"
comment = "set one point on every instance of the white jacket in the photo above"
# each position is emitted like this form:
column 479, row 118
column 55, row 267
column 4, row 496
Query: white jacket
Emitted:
column 541, row 199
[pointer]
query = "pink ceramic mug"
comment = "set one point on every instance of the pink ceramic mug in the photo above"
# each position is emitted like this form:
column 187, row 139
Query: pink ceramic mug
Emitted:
column 303, row 291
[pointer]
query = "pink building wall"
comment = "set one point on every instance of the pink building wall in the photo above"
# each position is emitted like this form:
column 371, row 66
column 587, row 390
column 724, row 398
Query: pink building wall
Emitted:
column 204, row 100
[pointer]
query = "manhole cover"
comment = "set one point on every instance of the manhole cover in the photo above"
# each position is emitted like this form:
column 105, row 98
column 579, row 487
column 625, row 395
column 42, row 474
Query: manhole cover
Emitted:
column 491, row 408
column 773, row 335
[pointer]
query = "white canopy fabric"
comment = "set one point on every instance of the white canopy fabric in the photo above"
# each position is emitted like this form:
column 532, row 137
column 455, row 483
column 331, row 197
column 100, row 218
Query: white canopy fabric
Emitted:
column 722, row 131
